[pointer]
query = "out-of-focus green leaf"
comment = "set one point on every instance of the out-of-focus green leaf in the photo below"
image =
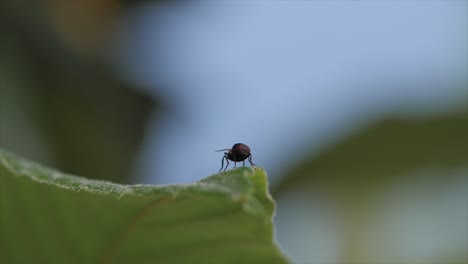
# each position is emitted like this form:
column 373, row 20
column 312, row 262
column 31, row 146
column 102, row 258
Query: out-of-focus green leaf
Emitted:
column 387, row 149
column 364, row 198
column 61, row 102
column 49, row 217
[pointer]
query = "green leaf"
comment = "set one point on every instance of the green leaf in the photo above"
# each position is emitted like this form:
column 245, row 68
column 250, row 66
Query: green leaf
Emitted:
column 49, row 217
column 400, row 179
column 386, row 150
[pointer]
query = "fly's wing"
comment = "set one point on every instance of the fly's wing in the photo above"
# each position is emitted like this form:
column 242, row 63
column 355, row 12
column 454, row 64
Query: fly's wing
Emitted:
column 222, row 150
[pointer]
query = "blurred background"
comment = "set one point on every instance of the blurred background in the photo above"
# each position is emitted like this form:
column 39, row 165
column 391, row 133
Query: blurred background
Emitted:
column 358, row 110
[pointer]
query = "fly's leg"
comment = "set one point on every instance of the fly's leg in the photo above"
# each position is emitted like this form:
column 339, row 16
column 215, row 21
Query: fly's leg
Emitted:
column 222, row 164
column 227, row 162
column 251, row 163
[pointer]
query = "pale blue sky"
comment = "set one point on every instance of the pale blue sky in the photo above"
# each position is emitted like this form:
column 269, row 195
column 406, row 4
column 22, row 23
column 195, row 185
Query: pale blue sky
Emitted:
column 285, row 77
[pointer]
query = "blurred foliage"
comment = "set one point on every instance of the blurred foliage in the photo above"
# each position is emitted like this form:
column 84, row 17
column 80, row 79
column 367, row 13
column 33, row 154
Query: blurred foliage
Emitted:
column 60, row 103
column 385, row 150
column 49, row 217
column 397, row 169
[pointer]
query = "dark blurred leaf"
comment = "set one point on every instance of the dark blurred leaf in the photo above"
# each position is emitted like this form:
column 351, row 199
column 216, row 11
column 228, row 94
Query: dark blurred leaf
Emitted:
column 387, row 149
column 61, row 107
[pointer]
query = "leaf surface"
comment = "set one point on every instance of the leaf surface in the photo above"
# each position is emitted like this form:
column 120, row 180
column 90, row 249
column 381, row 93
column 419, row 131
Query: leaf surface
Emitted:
column 50, row 217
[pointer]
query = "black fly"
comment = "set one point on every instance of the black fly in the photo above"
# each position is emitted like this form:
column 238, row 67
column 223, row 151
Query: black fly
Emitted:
column 239, row 152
